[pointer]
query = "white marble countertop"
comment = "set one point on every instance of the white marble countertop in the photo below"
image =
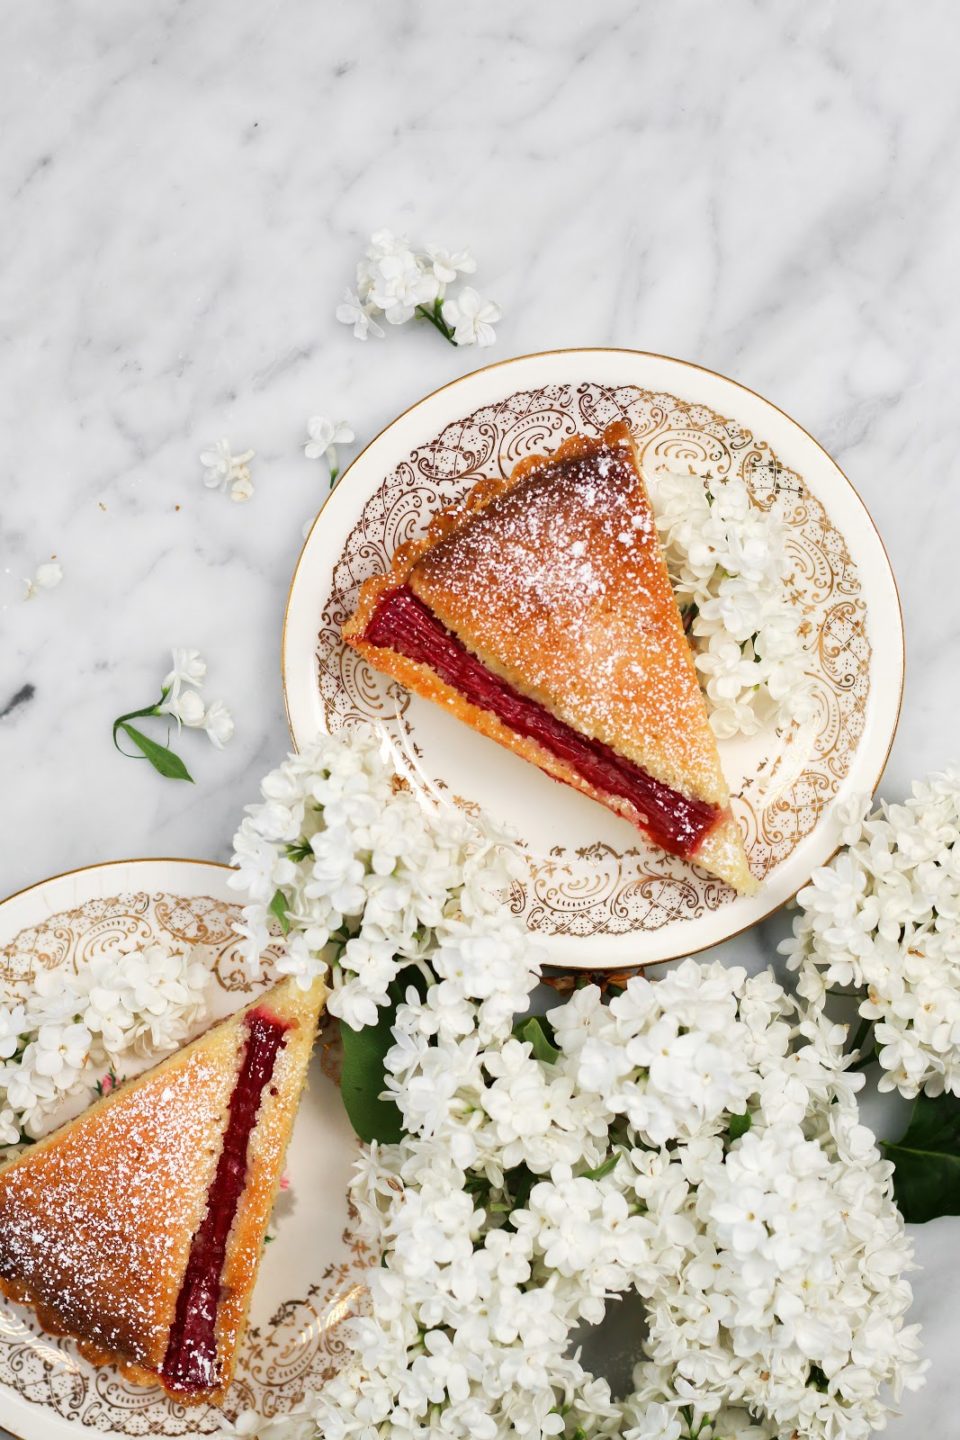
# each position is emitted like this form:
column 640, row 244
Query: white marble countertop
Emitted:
column 769, row 191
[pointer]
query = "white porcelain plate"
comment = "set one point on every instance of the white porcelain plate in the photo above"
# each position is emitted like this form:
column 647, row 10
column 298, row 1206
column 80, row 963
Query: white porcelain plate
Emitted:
column 592, row 890
column 311, row 1277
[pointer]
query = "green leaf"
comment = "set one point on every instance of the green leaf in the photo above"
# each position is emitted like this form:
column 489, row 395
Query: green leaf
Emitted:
column 279, row 909
column 411, row 975
column 361, row 1080
column 605, row 1168
column 519, row 1182
column 162, row 759
column 926, row 1158
column 362, row 1074
column 537, row 1031
column 739, row 1125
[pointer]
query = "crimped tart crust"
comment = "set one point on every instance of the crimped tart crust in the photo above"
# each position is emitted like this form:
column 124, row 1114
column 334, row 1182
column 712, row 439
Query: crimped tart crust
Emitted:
column 554, row 579
column 97, row 1219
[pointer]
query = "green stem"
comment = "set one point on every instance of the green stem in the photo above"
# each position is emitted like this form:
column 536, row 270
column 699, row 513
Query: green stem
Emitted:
column 862, row 1031
column 864, row 1057
column 435, row 316
column 153, row 709
column 334, row 472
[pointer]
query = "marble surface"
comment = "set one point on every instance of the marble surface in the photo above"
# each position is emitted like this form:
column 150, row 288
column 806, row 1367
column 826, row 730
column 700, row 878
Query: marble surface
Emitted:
column 770, row 191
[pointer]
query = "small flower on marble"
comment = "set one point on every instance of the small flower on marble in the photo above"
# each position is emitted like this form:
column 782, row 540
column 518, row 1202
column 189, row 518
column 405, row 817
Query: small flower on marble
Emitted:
column 189, row 668
column 398, row 280
column 352, row 311
column 397, row 283
column 241, row 488
column 218, row 723
column 46, row 577
column 186, row 708
column 471, row 317
column 179, row 699
column 448, row 264
column 227, row 472
column 324, row 435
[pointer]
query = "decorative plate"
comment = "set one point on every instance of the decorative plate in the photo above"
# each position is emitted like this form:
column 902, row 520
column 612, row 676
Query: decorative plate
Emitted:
column 311, row 1277
column 592, row 890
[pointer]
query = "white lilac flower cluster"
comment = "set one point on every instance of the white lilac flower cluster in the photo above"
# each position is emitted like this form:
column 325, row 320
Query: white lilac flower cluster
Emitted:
column 696, row 1141
column 396, row 283
column 73, row 1029
column 730, row 569
column 346, row 857
column 883, row 918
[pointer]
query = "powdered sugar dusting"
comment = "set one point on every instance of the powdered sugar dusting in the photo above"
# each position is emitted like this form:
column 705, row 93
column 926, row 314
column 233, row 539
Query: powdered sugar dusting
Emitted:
column 96, row 1225
column 559, row 584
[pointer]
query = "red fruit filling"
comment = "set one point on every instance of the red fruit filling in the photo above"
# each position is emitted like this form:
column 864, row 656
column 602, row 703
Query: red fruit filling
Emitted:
column 191, row 1360
column 402, row 622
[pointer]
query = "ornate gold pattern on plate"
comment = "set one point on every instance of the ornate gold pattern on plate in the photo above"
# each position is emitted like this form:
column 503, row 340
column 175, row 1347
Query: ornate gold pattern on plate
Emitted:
column 598, row 889
column 75, row 937
column 302, row 1344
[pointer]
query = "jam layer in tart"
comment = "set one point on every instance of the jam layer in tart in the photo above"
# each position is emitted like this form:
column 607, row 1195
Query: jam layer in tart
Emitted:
column 191, row 1359
column 403, row 623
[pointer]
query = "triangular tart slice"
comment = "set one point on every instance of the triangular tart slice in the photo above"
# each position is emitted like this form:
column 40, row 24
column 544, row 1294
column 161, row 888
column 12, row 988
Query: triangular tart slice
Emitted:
column 137, row 1228
column 540, row 612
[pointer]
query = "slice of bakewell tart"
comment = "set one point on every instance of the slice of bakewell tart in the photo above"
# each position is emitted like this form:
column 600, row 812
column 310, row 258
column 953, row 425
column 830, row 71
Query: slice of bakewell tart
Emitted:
column 539, row 611
column 137, row 1228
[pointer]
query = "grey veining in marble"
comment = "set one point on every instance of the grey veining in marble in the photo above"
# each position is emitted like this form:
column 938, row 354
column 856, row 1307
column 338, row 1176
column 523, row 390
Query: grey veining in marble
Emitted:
column 770, row 190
